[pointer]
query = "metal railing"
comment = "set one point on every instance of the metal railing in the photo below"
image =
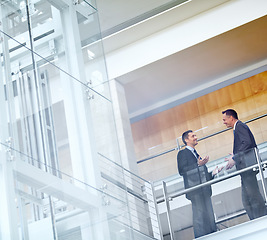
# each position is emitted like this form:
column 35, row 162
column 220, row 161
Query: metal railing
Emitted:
column 140, row 196
column 133, row 196
column 258, row 166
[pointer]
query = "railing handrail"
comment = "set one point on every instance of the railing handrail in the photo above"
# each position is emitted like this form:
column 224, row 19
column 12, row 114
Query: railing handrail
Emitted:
column 47, row 166
column 123, row 168
column 122, row 186
column 200, row 139
column 210, row 182
column 157, row 155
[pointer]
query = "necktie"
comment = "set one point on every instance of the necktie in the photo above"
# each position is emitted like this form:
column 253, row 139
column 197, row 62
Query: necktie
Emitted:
column 195, row 151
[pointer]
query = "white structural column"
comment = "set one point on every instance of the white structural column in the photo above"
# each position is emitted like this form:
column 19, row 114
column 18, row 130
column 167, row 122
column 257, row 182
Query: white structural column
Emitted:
column 8, row 209
column 126, row 145
column 126, row 148
column 123, row 126
column 79, row 120
column 8, row 206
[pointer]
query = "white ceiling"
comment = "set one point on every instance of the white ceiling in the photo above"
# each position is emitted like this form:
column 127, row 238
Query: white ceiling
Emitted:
column 164, row 83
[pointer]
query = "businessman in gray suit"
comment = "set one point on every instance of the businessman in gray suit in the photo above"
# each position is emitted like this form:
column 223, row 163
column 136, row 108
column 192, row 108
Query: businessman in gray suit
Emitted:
column 244, row 156
column 194, row 171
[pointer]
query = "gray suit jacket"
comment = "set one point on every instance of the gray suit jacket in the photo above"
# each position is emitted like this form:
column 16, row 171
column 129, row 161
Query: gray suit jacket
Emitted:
column 192, row 173
column 244, row 144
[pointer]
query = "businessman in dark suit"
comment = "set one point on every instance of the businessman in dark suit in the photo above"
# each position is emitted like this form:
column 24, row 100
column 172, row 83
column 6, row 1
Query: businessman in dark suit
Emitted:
column 194, row 171
column 244, row 156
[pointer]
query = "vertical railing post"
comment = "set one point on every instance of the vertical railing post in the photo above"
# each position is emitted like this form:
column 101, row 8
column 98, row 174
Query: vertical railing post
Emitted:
column 261, row 173
column 153, row 211
column 168, row 211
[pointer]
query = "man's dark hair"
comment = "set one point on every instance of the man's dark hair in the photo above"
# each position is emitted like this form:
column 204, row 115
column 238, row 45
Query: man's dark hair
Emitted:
column 185, row 136
column 231, row 112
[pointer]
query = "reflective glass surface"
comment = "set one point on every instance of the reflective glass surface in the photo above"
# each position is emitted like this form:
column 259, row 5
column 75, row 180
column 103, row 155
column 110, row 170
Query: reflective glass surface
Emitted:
column 61, row 173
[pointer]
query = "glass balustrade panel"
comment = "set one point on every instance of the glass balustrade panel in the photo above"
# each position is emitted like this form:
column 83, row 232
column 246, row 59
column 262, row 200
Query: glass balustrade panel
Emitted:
column 237, row 195
column 59, row 130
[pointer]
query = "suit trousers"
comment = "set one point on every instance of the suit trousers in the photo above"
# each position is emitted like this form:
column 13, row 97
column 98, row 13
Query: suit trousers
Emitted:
column 252, row 199
column 203, row 215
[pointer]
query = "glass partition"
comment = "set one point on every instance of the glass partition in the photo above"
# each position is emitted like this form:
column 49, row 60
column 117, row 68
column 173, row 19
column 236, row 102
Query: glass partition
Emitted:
column 227, row 201
column 61, row 173
column 237, row 195
column 160, row 167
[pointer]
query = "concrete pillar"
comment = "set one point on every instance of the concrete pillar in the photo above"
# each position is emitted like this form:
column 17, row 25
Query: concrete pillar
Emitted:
column 123, row 126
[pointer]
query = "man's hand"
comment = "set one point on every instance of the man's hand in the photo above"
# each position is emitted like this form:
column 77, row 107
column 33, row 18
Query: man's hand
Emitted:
column 231, row 161
column 217, row 170
column 202, row 161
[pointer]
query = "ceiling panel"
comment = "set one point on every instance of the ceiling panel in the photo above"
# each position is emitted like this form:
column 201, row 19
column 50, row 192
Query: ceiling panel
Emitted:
column 195, row 66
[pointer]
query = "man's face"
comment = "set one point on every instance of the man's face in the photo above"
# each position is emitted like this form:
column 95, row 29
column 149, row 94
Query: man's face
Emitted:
column 228, row 120
column 191, row 140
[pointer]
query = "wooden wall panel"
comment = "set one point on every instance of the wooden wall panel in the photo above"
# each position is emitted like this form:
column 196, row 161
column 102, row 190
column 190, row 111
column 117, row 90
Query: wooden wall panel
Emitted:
column 223, row 97
column 207, row 103
column 139, row 130
column 239, row 90
column 153, row 124
column 258, row 83
column 140, row 135
column 211, row 122
column 193, row 124
column 261, row 102
column 201, row 149
column 246, row 109
column 158, row 133
column 190, row 109
column 263, row 124
column 219, row 146
column 167, row 124
column 179, row 130
column 179, row 113
column 255, row 129
column 167, row 119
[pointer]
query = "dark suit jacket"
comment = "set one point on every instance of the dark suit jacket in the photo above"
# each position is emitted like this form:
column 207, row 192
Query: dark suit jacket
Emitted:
column 244, row 144
column 192, row 173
